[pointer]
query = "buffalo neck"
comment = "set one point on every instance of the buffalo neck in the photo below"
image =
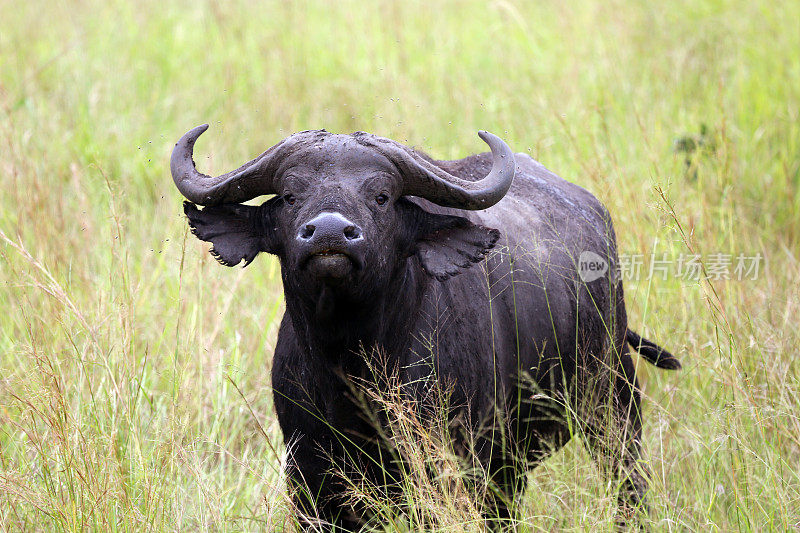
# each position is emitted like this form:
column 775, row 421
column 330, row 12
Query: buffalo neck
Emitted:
column 336, row 326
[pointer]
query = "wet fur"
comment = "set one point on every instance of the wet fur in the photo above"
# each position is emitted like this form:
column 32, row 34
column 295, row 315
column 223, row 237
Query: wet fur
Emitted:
column 499, row 291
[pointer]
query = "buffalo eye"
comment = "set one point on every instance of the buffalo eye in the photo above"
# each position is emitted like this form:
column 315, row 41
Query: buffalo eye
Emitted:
column 382, row 199
column 289, row 198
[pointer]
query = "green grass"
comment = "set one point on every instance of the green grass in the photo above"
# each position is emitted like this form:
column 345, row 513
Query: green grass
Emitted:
column 134, row 370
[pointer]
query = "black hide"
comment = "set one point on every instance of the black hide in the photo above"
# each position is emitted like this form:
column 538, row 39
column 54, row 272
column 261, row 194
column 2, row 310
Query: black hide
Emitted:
column 489, row 303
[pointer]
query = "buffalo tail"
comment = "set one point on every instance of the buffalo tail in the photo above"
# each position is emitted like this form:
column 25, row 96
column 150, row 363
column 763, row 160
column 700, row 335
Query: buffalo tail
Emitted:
column 652, row 352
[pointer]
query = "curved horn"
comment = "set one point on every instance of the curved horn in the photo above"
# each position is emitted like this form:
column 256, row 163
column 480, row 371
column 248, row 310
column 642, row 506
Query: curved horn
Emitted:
column 425, row 179
column 245, row 183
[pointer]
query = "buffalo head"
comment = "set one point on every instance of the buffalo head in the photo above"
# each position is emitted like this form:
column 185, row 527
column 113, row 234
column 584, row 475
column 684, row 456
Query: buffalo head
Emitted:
column 341, row 216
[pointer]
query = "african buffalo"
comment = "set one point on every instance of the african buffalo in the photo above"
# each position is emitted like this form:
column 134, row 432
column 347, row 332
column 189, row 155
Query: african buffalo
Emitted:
column 383, row 248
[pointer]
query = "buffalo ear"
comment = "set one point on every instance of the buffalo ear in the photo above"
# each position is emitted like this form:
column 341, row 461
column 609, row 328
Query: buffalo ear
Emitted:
column 236, row 231
column 447, row 245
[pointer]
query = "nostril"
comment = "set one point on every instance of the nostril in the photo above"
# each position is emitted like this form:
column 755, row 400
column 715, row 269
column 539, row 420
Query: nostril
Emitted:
column 307, row 231
column 351, row 232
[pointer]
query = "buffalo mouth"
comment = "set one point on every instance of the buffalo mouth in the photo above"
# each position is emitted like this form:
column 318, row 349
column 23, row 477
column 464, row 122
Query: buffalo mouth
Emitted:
column 330, row 264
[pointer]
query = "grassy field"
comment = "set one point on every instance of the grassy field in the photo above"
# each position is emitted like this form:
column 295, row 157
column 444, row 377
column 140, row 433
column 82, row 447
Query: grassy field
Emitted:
column 134, row 370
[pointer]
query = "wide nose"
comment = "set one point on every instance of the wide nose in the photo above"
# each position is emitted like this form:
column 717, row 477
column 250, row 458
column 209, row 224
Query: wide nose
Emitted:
column 329, row 229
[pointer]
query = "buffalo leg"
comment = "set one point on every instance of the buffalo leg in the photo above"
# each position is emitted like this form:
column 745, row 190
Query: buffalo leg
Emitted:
column 318, row 492
column 541, row 433
column 614, row 440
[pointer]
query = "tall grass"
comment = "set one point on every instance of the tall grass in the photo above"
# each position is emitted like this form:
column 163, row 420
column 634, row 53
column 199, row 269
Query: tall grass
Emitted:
column 134, row 370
